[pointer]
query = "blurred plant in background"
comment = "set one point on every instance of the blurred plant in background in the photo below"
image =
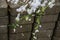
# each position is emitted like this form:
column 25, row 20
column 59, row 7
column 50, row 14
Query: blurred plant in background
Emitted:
column 32, row 8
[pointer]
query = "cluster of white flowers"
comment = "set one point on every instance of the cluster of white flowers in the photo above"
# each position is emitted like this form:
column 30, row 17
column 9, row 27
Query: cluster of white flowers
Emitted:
column 22, row 8
column 34, row 4
column 51, row 3
column 13, row 1
column 31, row 7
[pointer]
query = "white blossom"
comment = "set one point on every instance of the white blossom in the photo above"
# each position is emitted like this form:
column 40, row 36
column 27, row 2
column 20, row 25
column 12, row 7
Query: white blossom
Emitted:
column 14, row 30
column 30, row 19
column 22, row 8
column 17, row 24
column 38, row 11
column 36, row 31
column 51, row 5
column 33, row 9
column 40, row 26
column 29, row 2
column 45, row 1
column 19, row 10
column 33, row 6
column 18, row 17
column 52, row 1
column 27, row 18
column 35, row 3
column 49, row 35
column 14, row 1
column 22, row 34
column 29, row 11
column 24, row 0
column 33, row 15
column 8, row 0
column 34, row 37
column 33, row 33
column 21, row 26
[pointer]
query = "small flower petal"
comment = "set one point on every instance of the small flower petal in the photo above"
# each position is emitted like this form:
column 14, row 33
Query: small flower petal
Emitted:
column 35, row 37
column 22, row 34
column 38, row 11
column 36, row 31
column 14, row 30
column 21, row 26
column 29, row 11
column 8, row 0
column 33, row 33
column 51, row 5
column 40, row 26
column 30, row 19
